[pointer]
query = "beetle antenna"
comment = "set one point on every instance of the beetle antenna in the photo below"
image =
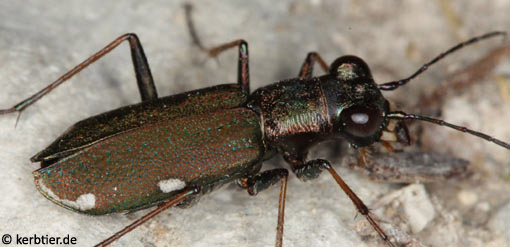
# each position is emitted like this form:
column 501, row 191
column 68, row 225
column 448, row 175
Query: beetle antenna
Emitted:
column 403, row 116
column 395, row 84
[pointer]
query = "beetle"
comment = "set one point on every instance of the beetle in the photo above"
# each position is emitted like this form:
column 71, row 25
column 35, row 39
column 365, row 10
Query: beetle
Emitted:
column 120, row 160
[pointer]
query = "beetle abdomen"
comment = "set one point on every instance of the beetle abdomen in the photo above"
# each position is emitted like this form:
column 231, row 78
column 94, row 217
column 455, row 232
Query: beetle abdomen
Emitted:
column 152, row 163
column 90, row 130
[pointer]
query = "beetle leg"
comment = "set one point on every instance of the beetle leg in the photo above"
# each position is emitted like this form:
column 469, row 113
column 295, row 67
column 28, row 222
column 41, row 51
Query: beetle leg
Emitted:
column 243, row 76
column 363, row 156
column 263, row 181
column 178, row 198
column 306, row 71
column 360, row 206
column 312, row 169
column 304, row 170
column 142, row 71
column 388, row 146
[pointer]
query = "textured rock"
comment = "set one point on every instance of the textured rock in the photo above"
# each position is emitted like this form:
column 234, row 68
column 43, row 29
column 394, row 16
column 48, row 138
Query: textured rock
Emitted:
column 417, row 207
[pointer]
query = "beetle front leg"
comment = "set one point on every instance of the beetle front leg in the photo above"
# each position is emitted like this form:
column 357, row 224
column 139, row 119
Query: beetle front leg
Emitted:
column 140, row 64
column 263, row 181
column 312, row 169
column 306, row 71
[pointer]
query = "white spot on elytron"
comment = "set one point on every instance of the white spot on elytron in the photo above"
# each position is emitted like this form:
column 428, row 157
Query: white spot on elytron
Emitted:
column 83, row 202
column 359, row 118
column 171, row 184
column 86, row 201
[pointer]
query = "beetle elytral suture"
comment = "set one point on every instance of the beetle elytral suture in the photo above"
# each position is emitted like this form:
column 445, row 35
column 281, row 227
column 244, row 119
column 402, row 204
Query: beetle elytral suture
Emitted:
column 168, row 151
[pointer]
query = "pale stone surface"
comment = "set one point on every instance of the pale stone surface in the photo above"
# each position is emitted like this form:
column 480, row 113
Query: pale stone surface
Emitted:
column 500, row 222
column 467, row 198
column 40, row 40
column 417, row 207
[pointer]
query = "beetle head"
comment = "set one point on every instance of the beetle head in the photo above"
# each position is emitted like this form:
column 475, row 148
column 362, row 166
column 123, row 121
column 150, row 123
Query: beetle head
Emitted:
column 363, row 116
column 357, row 106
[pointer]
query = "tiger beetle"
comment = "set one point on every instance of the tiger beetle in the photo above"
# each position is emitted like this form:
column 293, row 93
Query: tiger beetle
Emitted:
column 171, row 150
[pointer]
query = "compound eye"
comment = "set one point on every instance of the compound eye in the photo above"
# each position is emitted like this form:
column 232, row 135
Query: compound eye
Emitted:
column 361, row 121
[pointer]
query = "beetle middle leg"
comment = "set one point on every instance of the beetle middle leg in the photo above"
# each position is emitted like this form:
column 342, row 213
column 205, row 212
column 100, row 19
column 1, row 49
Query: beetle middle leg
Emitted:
column 140, row 64
column 243, row 75
column 263, row 181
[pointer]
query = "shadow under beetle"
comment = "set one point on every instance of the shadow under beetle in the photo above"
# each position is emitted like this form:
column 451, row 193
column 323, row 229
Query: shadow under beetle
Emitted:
column 171, row 150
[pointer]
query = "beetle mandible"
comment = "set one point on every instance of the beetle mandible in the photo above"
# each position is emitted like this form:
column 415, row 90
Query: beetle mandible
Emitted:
column 171, row 150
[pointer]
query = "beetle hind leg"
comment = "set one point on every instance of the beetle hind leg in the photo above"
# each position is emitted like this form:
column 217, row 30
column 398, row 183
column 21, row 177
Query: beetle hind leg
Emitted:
column 186, row 194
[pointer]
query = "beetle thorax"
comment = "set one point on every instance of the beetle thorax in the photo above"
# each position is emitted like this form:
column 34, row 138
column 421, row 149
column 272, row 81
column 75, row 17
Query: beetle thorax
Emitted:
column 294, row 112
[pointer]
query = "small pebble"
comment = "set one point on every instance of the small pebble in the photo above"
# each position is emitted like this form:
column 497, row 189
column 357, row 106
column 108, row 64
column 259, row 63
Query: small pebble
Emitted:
column 417, row 206
column 467, row 198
